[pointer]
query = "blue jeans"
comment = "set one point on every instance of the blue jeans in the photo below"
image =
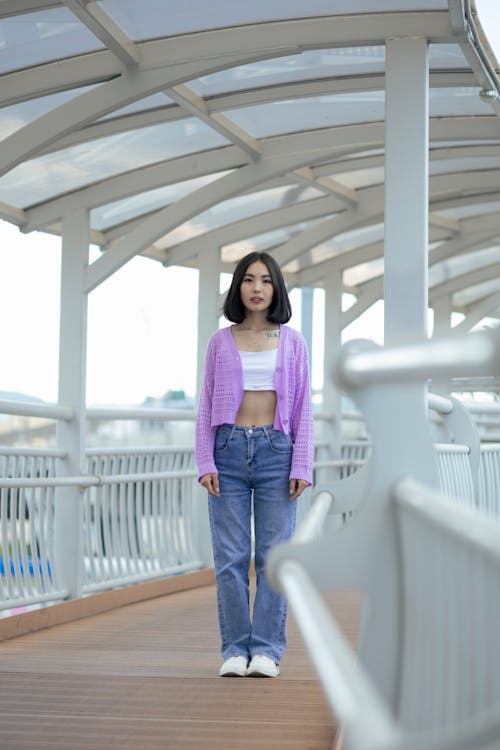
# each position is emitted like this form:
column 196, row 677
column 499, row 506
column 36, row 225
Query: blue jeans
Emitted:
column 252, row 462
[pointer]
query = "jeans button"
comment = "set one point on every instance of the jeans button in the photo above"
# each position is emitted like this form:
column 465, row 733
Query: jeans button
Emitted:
column 250, row 431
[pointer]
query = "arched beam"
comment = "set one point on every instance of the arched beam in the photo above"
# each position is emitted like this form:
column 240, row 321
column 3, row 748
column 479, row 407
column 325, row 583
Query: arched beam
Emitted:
column 229, row 157
column 275, row 38
column 477, row 312
column 275, row 161
column 131, row 86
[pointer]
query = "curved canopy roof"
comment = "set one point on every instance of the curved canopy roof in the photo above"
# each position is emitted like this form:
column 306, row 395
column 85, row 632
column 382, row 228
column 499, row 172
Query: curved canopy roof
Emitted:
column 186, row 125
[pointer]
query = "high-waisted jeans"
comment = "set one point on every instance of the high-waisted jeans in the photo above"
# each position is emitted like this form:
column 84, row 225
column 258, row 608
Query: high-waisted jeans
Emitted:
column 253, row 463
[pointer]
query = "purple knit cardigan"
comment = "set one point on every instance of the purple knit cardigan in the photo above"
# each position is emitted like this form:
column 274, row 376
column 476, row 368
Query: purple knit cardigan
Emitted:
column 222, row 394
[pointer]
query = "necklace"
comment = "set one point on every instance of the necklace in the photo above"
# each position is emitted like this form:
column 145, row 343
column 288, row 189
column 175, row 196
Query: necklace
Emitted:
column 254, row 333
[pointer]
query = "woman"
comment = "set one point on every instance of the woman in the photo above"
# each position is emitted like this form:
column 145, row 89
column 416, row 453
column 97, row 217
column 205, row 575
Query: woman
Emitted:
column 254, row 441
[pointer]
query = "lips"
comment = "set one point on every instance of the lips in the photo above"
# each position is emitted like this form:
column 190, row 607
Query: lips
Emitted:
column 256, row 300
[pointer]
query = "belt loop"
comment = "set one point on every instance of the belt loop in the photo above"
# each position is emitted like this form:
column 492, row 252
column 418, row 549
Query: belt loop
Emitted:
column 266, row 430
column 233, row 430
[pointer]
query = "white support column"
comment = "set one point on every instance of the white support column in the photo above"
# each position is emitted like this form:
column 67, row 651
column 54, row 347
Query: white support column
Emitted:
column 72, row 378
column 405, row 293
column 406, row 189
column 306, row 317
column 208, row 321
column 208, row 305
column 442, row 327
column 442, row 315
column 331, row 396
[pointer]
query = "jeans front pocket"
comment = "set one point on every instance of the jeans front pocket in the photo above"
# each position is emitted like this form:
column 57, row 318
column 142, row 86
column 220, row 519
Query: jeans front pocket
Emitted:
column 280, row 442
column 222, row 439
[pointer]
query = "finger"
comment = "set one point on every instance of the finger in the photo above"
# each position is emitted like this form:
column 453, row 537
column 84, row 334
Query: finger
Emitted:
column 297, row 487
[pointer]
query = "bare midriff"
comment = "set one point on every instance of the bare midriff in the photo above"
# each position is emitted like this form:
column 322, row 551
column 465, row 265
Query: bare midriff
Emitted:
column 257, row 408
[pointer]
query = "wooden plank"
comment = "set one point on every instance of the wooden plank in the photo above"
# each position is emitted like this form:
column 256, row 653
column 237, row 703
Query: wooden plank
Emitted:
column 146, row 676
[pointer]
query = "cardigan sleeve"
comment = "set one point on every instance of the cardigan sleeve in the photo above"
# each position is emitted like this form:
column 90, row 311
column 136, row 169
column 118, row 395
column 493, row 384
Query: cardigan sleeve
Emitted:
column 205, row 433
column 302, row 420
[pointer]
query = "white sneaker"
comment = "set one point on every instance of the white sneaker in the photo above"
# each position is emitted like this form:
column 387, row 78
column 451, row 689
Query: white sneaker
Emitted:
column 235, row 666
column 262, row 666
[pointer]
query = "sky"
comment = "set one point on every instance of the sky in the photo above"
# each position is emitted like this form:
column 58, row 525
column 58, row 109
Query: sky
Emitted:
column 141, row 322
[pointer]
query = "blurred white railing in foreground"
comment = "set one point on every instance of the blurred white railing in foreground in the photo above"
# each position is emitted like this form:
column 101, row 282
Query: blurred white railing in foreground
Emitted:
column 428, row 671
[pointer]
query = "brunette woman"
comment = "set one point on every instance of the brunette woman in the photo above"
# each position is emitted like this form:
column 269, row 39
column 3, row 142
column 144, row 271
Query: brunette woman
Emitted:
column 254, row 448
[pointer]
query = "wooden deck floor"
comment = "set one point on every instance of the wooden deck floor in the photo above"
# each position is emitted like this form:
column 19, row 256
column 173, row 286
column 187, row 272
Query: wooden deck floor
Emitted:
column 145, row 676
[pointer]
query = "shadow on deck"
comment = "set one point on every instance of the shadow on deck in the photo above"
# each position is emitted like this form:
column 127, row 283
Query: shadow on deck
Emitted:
column 144, row 675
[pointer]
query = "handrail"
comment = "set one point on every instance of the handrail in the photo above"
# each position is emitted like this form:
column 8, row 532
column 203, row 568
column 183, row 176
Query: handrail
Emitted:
column 35, row 452
column 134, row 450
column 312, row 523
column 101, row 412
column 440, row 404
column 481, row 407
column 351, row 696
column 28, row 409
column 363, row 363
column 97, row 480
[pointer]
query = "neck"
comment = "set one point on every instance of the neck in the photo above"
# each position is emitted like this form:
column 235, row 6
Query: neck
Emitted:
column 256, row 322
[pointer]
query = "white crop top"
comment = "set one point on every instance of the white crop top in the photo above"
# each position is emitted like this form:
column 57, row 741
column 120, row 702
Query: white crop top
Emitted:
column 258, row 370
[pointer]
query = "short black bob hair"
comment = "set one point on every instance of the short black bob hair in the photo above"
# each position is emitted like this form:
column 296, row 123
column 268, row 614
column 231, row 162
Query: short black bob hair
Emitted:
column 280, row 310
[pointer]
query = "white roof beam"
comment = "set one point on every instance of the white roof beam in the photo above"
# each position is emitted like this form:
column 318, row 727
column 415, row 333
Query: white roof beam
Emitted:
column 129, row 87
column 327, row 185
column 445, row 222
column 366, row 298
column 187, row 167
column 476, row 50
column 196, row 105
column 257, row 42
column 234, row 183
column 372, row 290
column 12, row 214
column 135, row 181
column 464, row 280
column 251, row 226
column 100, row 23
column 477, row 312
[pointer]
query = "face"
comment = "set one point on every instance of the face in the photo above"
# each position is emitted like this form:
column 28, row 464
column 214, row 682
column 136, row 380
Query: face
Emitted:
column 256, row 289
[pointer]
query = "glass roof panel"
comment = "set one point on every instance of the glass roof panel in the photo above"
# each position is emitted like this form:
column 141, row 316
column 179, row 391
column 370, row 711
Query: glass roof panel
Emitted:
column 457, row 101
column 17, row 115
column 462, row 264
column 475, row 209
column 319, row 63
column 363, row 272
column 152, row 18
column 111, row 214
column 315, row 64
column 59, row 172
column 443, row 56
column 361, row 178
column 238, row 208
column 478, row 291
column 31, row 38
column 155, row 101
column 443, row 166
column 264, row 241
column 346, row 241
column 266, row 120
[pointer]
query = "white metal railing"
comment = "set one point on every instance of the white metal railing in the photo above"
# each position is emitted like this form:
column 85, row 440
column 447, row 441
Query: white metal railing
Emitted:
column 27, row 572
column 139, row 520
column 143, row 525
column 412, row 689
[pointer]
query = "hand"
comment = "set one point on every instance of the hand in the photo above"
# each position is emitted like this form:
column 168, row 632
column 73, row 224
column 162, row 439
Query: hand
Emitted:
column 297, row 487
column 211, row 483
